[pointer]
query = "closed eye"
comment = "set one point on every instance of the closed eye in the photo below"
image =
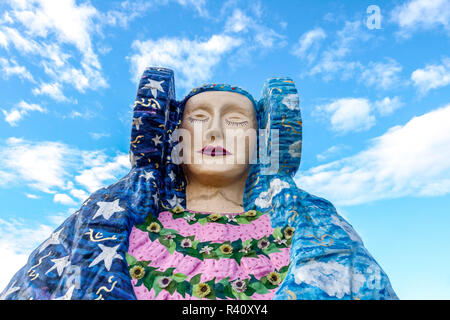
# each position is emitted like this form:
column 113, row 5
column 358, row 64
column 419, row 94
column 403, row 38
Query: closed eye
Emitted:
column 236, row 123
column 198, row 120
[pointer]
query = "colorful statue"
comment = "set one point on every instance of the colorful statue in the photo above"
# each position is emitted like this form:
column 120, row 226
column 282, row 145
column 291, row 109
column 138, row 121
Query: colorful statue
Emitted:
column 176, row 228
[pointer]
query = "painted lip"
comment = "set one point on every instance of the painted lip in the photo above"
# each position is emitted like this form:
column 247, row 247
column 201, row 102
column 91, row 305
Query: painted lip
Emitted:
column 214, row 151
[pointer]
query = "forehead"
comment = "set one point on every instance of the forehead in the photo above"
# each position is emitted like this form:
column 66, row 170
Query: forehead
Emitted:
column 220, row 99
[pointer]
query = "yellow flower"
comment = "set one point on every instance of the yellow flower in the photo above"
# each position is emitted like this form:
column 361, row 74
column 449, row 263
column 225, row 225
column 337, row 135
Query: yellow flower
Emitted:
column 226, row 249
column 202, row 290
column 289, row 232
column 137, row 272
column 214, row 216
column 274, row 278
column 178, row 209
column 154, row 227
column 250, row 213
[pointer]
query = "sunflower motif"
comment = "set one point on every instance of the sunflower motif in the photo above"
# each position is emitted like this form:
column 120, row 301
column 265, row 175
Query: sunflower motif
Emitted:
column 214, row 217
column 137, row 272
column 226, row 249
column 274, row 278
column 154, row 227
column 289, row 232
column 178, row 209
column 250, row 213
column 202, row 290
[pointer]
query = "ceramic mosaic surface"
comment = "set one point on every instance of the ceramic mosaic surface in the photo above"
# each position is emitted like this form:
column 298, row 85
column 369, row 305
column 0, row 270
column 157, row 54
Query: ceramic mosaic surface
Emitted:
column 97, row 253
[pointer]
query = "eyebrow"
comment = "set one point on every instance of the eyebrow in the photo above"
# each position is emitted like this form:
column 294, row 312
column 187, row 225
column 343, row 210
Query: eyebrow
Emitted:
column 237, row 108
column 206, row 106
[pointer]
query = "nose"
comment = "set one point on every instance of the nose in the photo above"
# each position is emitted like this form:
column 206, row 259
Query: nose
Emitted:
column 214, row 131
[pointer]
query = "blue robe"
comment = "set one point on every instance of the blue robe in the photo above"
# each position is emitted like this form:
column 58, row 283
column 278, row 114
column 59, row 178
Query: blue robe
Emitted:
column 84, row 258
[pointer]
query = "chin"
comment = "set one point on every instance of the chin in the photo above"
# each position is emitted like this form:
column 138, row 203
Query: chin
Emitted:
column 217, row 173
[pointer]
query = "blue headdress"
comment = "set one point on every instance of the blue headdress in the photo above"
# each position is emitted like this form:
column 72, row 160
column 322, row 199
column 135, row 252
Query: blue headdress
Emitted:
column 85, row 257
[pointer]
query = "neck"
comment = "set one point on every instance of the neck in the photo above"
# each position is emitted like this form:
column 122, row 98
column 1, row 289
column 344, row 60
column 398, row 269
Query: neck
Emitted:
column 206, row 197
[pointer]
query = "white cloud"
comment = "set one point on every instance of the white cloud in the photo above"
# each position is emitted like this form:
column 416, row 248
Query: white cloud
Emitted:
column 193, row 60
column 244, row 35
column 347, row 114
column 99, row 135
column 96, row 177
column 417, row 14
column 19, row 111
column 79, row 194
column 331, row 151
column 32, row 196
column 52, row 90
column 408, row 160
column 126, row 11
column 333, row 59
column 388, row 105
column 56, row 168
column 17, row 240
column 432, row 76
column 309, row 42
column 355, row 114
column 238, row 22
column 382, row 75
column 63, row 199
column 258, row 34
column 11, row 67
column 60, row 35
column 41, row 165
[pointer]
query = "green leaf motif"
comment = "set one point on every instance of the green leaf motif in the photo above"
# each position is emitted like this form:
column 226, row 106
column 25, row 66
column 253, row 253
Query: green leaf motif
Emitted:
column 181, row 288
column 277, row 233
column 156, row 287
column 149, row 280
column 130, row 259
column 179, row 277
column 172, row 287
column 195, row 279
column 172, row 246
column 242, row 220
column 259, row 288
column 168, row 272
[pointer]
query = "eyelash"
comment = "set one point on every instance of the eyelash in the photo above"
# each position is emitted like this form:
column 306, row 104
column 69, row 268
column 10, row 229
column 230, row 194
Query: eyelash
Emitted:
column 239, row 124
column 192, row 120
column 228, row 122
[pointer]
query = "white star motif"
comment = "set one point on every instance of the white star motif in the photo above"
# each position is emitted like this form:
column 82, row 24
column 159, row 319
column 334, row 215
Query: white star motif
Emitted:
column 148, row 175
column 157, row 140
column 107, row 256
column 155, row 197
column 133, row 159
column 291, row 101
column 54, row 239
column 59, row 264
column 68, row 295
column 154, row 87
column 107, row 209
column 175, row 201
column 137, row 122
column 172, row 175
column 12, row 289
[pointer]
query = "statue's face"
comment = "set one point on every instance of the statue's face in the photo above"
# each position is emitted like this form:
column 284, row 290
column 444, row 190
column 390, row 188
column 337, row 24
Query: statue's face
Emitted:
column 222, row 126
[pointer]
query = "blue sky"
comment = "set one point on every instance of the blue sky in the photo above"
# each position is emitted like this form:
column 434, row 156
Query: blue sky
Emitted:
column 375, row 106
